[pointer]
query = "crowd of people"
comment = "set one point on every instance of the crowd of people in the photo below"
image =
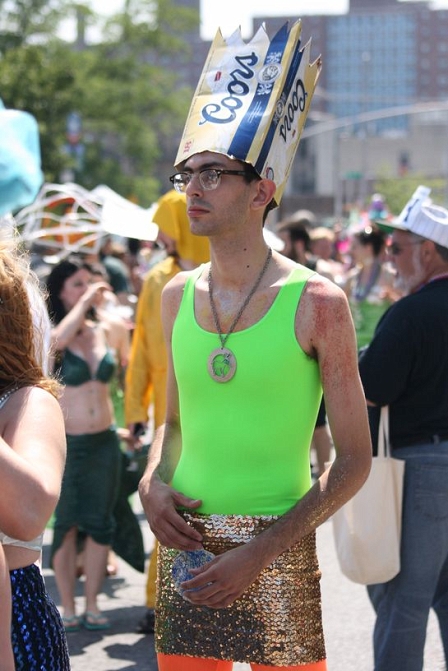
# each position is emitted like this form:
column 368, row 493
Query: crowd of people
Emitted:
column 93, row 345
column 250, row 369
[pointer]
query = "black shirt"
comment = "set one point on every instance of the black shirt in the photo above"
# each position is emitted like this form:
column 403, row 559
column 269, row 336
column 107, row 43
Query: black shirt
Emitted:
column 406, row 365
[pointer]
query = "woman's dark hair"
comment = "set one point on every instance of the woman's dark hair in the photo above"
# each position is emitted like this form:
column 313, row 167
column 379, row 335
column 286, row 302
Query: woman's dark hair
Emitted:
column 55, row 282
column 372, row 236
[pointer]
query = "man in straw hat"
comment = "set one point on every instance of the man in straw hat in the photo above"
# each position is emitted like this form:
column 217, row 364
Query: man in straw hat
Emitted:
column 252, row 339
column 406, row 368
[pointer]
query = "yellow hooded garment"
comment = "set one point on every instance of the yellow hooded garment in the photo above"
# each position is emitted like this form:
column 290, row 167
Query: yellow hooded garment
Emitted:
column 147, row 368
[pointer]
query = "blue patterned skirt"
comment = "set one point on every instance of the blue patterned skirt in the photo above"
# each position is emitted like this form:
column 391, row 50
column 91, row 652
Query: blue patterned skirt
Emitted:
column 38, row 637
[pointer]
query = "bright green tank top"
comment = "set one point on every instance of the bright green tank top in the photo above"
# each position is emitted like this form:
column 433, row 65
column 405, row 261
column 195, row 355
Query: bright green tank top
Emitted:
column 246, row 442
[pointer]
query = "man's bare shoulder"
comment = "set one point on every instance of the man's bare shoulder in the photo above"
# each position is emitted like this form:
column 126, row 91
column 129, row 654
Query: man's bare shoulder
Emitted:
column 177, row 283
column 173, row 291
column 319, row 292
column 323, row 315
column 321, row 289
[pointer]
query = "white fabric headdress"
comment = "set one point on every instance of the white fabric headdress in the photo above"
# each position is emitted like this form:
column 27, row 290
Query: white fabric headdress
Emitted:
column 422, row 217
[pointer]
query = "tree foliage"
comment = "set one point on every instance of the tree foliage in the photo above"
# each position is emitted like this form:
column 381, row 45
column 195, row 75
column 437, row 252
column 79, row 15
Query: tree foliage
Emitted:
column 25, row 20
column 397, row 192
column 129, row 102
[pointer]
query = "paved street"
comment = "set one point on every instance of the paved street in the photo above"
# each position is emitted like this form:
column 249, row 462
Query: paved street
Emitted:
column 348, row 621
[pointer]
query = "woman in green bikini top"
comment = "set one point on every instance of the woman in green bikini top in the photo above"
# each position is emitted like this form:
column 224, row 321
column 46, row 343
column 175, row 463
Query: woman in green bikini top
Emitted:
column 74, row 370
column 83, row 340
column 84, row 359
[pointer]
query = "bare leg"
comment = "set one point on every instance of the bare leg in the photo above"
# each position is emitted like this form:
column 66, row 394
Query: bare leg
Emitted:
column 95, row 562
column 6, row 657
column 64, row 564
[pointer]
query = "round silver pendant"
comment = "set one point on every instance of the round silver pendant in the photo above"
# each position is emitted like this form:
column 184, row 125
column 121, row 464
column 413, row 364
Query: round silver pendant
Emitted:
column 221, row 364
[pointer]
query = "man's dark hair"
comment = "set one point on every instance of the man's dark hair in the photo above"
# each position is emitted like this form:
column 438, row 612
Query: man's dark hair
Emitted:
column 372, row 236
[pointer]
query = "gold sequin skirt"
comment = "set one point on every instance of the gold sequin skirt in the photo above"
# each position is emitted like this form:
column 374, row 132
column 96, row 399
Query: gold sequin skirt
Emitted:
column 277, row 621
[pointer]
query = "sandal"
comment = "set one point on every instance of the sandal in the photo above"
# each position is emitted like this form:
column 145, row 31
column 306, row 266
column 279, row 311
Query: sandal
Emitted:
column 95, row 621
column 71, row 623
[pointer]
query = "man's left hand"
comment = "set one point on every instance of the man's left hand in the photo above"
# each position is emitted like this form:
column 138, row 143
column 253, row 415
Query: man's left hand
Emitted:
column 221, row 581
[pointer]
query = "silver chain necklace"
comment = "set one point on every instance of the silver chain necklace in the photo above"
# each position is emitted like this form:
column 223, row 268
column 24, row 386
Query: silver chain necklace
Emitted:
column 221, row 362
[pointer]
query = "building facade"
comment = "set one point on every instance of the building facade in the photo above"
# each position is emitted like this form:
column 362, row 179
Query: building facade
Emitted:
column 381, row 104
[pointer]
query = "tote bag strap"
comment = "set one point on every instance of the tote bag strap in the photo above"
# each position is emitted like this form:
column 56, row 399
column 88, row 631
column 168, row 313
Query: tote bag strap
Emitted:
column 383, row 433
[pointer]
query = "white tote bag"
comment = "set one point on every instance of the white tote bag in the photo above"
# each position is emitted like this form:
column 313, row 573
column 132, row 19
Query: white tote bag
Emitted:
column 367, row 529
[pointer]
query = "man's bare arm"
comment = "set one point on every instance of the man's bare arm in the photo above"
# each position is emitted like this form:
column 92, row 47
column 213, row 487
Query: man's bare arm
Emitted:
column 160, row 501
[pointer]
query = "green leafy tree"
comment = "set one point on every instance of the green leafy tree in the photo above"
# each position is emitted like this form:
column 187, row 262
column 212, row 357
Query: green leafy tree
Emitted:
column 397, row 192
column 23, row 20
column 124, row 90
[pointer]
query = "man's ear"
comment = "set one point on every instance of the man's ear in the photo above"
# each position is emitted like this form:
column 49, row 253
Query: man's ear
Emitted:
column 428, row 248
column 265, row 193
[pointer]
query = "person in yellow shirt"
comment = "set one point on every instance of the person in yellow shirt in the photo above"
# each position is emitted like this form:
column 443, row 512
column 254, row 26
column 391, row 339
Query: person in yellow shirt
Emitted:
column 145, row 383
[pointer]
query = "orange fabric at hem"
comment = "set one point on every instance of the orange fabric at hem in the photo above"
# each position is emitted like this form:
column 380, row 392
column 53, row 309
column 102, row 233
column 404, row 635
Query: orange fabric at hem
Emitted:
column 183, row 663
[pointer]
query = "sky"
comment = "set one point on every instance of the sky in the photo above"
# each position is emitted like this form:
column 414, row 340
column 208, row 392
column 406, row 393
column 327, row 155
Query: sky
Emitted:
column 230, row 14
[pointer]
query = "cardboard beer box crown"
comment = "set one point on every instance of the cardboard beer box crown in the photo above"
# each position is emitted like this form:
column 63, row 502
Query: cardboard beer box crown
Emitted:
column 252, row 101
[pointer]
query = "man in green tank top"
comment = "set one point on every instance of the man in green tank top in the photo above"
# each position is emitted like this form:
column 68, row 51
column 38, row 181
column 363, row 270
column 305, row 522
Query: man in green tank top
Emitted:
column 253, row 338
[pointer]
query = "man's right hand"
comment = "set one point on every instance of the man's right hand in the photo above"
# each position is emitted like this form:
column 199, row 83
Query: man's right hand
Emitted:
column 160, row 503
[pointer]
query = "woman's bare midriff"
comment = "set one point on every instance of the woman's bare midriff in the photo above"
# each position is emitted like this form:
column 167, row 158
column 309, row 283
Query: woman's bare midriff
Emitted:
column 87, row 408
column 20, row 557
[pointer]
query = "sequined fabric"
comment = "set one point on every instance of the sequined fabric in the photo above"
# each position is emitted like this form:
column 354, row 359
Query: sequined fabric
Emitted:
column 38, row 636
column 277, row 621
